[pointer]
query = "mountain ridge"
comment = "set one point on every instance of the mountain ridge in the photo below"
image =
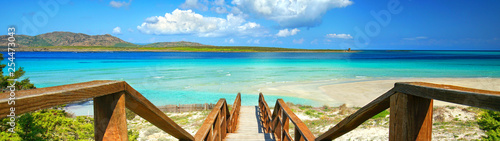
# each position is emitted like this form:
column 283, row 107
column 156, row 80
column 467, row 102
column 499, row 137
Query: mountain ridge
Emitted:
column 61, row 38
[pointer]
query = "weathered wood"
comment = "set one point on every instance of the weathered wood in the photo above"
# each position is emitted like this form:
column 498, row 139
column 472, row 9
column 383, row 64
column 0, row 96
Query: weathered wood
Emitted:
column 43, row 98
column 235, row 114
column 278, row 122
column 110, row 123
column 410, row 118
column 209, row 128
column 303, row 130
column 351, row 122
column 147, row 110
column 460, row 95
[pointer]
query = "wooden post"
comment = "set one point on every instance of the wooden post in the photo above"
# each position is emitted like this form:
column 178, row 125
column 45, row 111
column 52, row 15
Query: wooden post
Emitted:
column 110, row 123
column 286, row 125
column 410, row 118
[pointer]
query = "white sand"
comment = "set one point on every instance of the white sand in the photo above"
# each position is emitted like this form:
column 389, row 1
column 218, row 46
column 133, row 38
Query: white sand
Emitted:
column 361, row 91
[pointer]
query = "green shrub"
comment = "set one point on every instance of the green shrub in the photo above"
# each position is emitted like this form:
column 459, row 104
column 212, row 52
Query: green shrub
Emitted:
column 382, row 114
column 52, row 124
column 129, row 114
column 489, row 121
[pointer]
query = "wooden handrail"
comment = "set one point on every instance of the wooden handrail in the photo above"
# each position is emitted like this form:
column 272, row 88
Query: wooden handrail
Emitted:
column 115, row 94
column 220, row 121
column 235, row 114
column 412, row 102
column 278, row 123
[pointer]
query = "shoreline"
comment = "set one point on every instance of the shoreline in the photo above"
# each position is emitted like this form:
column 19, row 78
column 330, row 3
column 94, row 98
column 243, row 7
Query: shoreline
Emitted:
column 236, row 49
column 352, row 92
column 358, row 93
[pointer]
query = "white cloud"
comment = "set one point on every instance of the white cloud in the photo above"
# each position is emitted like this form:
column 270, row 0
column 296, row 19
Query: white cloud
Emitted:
column 229, row 41
column 219, row 2
column 340, row 36
column 415, row 38
column 118, row 4
column 256, row 41
column 286, row 32
column 299, row 41
column 297, row 13
column 117, row 30
column 194, row 4
column 220, row 10
column 130, row 30
column 189, row 22
column 315, row 41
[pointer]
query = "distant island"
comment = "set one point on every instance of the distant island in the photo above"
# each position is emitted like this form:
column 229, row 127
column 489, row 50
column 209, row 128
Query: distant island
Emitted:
column 79, row 42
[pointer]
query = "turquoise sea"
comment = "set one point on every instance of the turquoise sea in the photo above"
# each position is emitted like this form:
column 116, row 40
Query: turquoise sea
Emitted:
column 182, row 78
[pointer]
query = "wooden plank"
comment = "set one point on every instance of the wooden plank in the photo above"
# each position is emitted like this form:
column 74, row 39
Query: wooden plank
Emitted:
column 208, row 124
column 410, row 118
column 144, row 108
column 304, row 131
column 110, row 123
column 43, row 98
column 351, row 122
column 460, row 95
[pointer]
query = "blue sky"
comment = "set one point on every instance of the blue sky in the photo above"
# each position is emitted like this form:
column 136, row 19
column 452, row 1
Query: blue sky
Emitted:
column 310, row 24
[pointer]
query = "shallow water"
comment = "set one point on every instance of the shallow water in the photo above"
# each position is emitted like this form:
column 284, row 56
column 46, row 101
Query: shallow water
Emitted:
column 183, row 78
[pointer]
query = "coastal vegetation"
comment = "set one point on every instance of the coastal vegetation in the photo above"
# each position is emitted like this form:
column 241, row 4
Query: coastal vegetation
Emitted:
column 170, row 49
column 489, row 121
column 79, row 42
column 46, row 124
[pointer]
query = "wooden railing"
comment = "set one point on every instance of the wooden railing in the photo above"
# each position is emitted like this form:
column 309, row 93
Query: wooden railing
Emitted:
column 220, row 121
column 410, row 106
column 235, row 114
column 279, row 122
column 110, row 100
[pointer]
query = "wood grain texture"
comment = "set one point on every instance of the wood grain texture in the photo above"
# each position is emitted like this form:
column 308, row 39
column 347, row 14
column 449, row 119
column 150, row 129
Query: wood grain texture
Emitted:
column 278, row 122
column 209, row 128
column 147, row 110
column 303, row 130
column 43, row 98
column 110, row 123
column 351, row 122
column 410, row 118
column 460, row 95
column 235, row 114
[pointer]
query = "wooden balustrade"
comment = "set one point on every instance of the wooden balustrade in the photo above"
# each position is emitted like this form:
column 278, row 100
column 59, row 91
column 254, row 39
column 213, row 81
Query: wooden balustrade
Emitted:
column 110, row 100
column 278, row 123
column 410, row 106
column 235, row 114
column 220, row 121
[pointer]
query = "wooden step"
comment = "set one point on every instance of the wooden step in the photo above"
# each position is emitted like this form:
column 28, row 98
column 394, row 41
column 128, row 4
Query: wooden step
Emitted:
column 249, row 128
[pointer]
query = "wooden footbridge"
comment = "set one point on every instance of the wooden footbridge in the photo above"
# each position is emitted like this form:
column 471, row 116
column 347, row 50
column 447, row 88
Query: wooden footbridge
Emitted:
column 410, row 106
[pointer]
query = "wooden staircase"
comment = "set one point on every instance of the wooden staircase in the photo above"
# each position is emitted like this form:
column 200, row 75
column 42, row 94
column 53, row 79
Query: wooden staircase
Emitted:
column 249, row 126
column 410, row 106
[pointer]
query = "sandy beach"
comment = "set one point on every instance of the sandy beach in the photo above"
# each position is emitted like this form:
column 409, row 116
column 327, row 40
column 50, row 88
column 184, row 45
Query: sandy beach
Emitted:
column 359, row 92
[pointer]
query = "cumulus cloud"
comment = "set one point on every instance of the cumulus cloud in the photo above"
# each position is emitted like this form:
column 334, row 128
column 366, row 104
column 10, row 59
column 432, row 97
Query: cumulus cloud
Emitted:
column 297, row 13
column 117, row 30
column 118, row 4
column 130, row 30
column 415, row 38
column 339, row 36
column 286, row 32
column 299, row 41
column 194, row 4
column 256, row 41
column 229, row 41
column 189, row 22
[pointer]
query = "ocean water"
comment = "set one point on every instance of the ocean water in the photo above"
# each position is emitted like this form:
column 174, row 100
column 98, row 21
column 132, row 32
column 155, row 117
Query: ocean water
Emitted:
column 184, row 78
